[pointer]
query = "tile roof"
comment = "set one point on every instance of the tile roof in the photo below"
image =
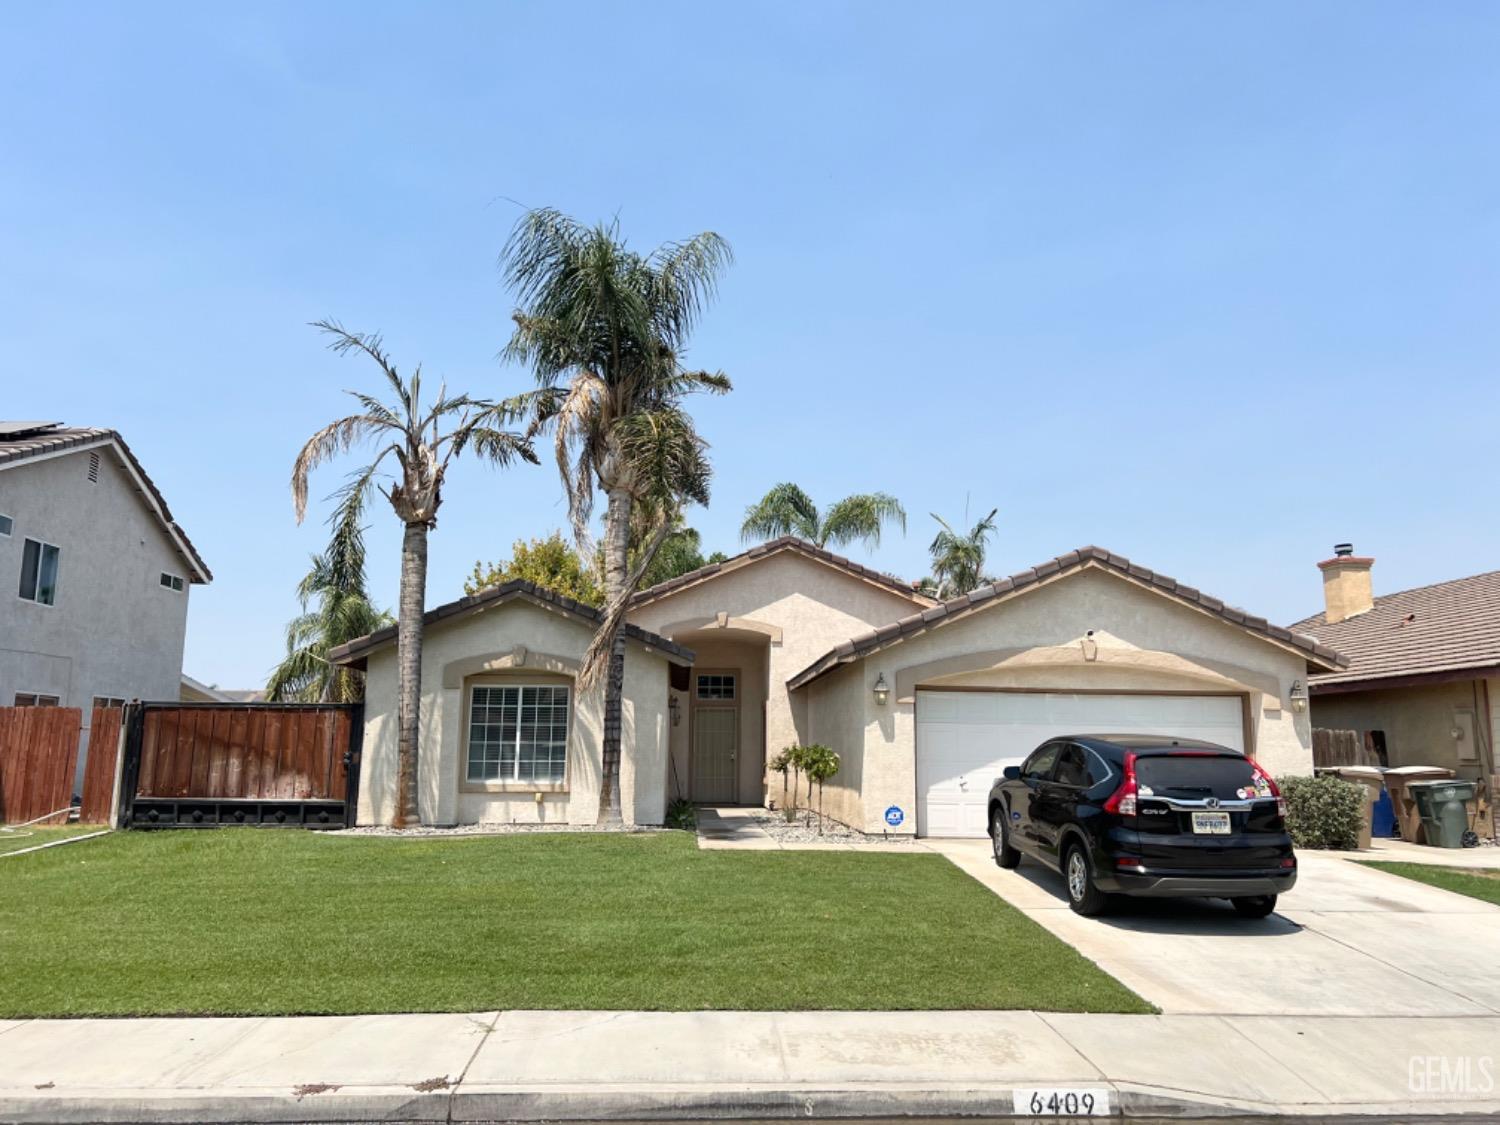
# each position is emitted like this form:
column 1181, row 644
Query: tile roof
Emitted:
column 870, row 642
column 776, row 546
column 24, row 441
column 1447, row 627
column 515, row 588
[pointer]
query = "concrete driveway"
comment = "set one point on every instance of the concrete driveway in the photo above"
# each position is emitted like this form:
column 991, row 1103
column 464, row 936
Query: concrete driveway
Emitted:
column 1347, row 940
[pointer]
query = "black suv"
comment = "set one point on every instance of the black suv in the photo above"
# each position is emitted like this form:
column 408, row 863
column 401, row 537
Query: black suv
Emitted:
column 1145, row 815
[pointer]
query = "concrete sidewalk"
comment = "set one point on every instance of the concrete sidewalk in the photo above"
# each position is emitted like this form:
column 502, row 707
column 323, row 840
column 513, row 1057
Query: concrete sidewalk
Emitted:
column 600, row 1065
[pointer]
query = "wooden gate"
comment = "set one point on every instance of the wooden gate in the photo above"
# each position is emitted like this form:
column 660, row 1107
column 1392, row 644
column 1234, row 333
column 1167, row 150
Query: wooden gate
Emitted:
column 191, row 765
column 38, row 754
column 1341, row 748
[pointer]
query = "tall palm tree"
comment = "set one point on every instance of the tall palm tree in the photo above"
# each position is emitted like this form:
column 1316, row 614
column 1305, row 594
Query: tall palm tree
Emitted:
column 335, row 609
column 603, row 327
column 412, row 433
column 958, row 557
column 787, row 510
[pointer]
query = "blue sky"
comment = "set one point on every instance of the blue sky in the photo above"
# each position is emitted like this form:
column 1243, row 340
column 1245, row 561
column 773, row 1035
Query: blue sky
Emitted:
column 1211, row 285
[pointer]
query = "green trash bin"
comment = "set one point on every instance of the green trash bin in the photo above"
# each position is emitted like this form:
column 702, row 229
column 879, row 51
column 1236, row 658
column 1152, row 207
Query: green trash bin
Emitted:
column 1445, row 817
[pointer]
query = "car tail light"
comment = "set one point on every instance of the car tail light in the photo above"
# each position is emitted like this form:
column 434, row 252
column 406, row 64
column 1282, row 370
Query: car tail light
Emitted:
column 1122, row 800
column 1288, row 862
column 1258, row 775
column 1127, row 861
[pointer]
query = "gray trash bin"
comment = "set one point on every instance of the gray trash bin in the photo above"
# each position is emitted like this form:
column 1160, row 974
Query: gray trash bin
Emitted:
column 1444, row 809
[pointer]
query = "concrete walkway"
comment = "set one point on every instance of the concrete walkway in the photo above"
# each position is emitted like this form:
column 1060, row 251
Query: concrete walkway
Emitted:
column 1400, row 851
column 1348, row 940
column 492, row 1066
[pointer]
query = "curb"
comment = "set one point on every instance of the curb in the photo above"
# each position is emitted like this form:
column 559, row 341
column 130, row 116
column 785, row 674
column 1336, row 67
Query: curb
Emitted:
column 679, row 1103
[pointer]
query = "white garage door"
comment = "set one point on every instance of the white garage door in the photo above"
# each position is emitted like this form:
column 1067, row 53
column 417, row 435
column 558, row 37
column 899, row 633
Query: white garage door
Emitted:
column 966, row 738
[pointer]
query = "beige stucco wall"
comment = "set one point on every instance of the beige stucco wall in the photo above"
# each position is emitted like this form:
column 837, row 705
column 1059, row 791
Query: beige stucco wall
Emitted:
column 1144, row 642
column 1417, row 721
column 813, row 606
column 837, row 719
column 485, row 644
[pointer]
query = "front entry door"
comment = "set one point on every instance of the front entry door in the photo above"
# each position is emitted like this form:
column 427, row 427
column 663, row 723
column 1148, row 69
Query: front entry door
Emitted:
column 714, row 749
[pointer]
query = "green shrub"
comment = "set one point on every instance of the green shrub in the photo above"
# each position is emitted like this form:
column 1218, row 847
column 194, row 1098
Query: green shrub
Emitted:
column 1323, row 812
column 680, row 814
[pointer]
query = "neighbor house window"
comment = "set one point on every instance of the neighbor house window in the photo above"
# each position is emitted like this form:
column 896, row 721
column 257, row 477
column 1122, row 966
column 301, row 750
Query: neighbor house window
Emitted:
column 715, row 685
column 36, row 699
column 39, row 572
column 518, row 732
column 171, row 581
column 6, row 524
column 108, row 701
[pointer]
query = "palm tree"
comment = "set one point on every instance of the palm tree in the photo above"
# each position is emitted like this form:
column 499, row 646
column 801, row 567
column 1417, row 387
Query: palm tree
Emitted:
column 958, row 558
column 335, row 609
column 412, row 433
column 787, row 510
column 604, row 327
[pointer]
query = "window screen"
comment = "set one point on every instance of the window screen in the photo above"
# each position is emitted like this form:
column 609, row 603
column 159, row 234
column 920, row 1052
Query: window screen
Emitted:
column 39, row 565
column 518, row 732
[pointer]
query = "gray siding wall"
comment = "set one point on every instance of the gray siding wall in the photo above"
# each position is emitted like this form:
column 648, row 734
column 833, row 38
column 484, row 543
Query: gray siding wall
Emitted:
column 114, row 630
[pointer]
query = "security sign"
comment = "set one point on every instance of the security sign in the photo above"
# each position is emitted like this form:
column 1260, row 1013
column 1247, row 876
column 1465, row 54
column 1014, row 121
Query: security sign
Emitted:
column 894, row 816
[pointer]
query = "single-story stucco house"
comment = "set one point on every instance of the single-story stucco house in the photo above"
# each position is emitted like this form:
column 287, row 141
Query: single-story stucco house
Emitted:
column 925, row 702
column 1423, row 667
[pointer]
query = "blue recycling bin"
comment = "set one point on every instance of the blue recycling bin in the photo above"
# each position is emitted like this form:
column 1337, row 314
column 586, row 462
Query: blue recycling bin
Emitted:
column 1383, row 818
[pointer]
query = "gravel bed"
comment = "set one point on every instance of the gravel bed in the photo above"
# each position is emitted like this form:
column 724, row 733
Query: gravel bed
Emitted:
column 776, row 826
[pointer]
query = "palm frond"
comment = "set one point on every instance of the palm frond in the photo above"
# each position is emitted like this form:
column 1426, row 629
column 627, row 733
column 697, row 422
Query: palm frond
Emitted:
column 333, row 439
column 860, row 517
column 785, row 510
column 372, row 346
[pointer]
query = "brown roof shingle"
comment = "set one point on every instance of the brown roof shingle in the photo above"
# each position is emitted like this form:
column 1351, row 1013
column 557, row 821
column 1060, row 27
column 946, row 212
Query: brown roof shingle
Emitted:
column 869, row 642
column 776, row 546
column 1431, row 630
column 21, row 442
column 515, row 588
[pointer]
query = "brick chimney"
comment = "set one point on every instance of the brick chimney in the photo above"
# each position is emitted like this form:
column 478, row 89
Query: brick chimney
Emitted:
column 1347, row 591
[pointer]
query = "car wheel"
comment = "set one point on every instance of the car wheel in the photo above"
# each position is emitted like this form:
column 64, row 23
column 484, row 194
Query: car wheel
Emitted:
column 1254, row 906
column 1005, row 855
column 1083, row 896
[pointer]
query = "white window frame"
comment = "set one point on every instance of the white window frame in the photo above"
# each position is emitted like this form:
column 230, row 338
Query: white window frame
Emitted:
column 515, row 781
column 37, row 697
column 57, row 582
column 109, row 701
column 8, row 527
column 174, row 583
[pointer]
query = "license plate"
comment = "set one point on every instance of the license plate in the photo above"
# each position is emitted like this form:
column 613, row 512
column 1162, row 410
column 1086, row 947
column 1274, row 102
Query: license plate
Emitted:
column 1211, row 823
column 1062, row 1101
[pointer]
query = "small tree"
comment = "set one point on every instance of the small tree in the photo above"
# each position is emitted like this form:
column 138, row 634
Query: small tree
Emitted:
column 782, row 764
column 820, row 763
column 551, row 563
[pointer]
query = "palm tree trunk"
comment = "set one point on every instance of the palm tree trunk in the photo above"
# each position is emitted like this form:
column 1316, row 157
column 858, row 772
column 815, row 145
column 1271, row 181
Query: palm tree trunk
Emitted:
column 409, row 671
column 616, row 576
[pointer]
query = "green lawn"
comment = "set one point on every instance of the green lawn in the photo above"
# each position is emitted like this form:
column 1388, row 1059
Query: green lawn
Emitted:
column 1466, row 881
column 244, row 921
column 36, row 834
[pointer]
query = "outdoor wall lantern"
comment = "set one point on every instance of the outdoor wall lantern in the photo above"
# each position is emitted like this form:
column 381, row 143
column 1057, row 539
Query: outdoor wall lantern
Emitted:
column 674, row 706
column 1297, row 697
column 882, row 690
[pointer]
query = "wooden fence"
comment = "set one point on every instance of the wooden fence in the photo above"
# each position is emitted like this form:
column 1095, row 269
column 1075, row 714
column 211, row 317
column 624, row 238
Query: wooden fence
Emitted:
column 201, row 764
column 98, row 784
column 1341, row 748
column 38, row 754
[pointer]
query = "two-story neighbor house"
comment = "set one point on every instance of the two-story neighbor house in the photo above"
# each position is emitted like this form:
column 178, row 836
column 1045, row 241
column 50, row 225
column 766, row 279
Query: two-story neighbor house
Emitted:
column 94, row 572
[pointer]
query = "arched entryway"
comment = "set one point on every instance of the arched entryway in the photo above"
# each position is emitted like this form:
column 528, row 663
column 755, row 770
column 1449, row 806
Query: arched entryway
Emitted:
column 718, row 738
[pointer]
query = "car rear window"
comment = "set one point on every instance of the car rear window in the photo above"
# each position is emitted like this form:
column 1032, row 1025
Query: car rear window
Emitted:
column 1189, row 777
